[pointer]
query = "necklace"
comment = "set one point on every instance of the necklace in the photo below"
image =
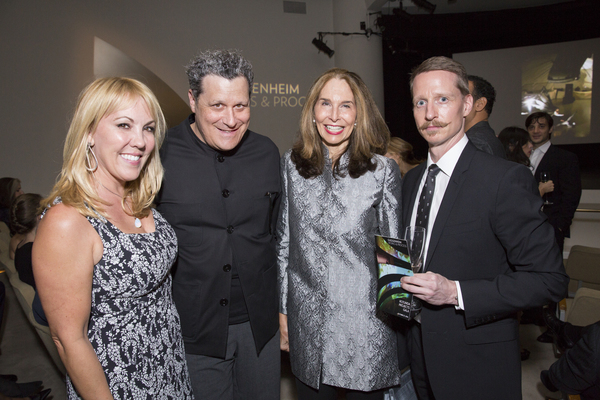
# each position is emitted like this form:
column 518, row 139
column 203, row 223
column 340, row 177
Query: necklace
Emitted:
column 137, row 222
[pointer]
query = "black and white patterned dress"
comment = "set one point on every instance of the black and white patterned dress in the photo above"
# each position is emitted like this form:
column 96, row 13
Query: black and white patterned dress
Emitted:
column 134, row 326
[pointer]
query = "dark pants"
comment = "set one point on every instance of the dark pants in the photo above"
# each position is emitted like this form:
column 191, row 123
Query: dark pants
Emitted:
column 417, row 363
column 242, row 374
column 560, row 239
column 326, row 392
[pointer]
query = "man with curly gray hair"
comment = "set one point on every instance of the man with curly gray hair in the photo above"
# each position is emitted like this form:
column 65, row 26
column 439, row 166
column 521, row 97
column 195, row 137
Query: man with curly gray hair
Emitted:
column 220, row 193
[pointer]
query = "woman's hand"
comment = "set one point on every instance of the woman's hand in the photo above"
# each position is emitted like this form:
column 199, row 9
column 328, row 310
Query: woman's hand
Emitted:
column 284, row 341
column 546, row 187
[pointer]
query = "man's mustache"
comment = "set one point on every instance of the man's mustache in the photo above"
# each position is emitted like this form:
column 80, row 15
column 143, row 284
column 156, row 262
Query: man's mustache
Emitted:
column 437, row 124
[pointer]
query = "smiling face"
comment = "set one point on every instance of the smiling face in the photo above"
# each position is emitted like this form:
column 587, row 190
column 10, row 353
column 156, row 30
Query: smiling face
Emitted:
column 335, row 115
column 122, row 142
column 539, row 132
column 222, row 111
column 439, row 109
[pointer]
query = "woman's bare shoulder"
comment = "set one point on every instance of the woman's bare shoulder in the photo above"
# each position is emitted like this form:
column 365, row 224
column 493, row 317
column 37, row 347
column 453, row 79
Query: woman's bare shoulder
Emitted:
column 65, row 224
column 64, row 231
column 63, row 217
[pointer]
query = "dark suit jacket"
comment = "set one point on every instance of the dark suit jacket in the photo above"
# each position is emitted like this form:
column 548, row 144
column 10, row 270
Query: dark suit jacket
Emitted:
column 578, row 370
column 563, row 168
column 490, row 235
column 223, row 207
column 484, row 138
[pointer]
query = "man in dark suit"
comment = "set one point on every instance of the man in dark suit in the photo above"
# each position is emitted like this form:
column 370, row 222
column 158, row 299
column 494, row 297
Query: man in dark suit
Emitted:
column 477, row 128
column 562, row 168
column 489, row 251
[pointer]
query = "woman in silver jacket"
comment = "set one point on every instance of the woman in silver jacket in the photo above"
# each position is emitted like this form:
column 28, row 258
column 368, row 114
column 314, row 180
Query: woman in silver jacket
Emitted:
column 338, row 192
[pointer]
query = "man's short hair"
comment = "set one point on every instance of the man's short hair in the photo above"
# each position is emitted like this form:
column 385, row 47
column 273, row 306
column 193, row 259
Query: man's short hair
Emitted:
column 228, row 64
column 482, row 88
column 534, row 117
column 440, row 63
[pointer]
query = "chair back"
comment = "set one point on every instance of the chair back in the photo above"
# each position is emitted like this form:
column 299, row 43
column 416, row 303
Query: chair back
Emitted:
column 585, row 308
column 583, row 267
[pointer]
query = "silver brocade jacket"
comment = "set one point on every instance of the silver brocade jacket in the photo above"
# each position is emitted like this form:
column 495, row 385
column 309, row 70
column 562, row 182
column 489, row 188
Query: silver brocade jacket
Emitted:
column 328, row 274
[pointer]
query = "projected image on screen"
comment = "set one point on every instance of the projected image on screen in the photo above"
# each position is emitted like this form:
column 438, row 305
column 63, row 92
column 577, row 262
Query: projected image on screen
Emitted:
column 561, row 85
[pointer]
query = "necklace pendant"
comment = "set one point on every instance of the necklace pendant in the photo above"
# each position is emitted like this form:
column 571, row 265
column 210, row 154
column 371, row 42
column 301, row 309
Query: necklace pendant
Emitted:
column 138, row 223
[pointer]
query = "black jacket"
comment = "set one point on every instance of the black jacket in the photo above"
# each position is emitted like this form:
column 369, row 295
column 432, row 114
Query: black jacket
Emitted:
column 563, row 169
column 223, row 206
column 489, row 235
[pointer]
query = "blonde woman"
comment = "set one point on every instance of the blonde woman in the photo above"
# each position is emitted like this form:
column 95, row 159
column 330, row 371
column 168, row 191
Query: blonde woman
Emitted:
column 102, row 256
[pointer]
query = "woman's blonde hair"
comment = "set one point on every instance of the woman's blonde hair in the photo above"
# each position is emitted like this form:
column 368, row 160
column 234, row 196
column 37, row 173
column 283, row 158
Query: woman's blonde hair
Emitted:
column 370, row 136
column 75, row 184
column 404, row 150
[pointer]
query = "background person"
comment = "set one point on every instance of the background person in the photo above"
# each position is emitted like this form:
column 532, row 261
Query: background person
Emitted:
column 477, row 127
column 518, row 148
column 402, row 152
column 10, row 189
column 220, row 193
column 102, row 256
column 577, row 371
column 24, row 217
column 338, row 192
column 562, row 168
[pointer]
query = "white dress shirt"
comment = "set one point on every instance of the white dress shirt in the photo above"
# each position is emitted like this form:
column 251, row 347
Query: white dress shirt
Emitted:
column 537, row 155
column 446, row 165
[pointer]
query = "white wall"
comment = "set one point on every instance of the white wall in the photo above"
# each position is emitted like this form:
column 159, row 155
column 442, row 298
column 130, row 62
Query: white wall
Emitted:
column 47, row 59
column 585, row 230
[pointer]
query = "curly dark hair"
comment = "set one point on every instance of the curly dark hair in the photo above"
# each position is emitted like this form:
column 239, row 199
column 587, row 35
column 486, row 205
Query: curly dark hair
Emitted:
column 228, row 64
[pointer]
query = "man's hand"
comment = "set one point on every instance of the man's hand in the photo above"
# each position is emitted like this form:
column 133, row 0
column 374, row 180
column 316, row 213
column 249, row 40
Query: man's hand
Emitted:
column 284, row 341
column 546, row 187
column 432, row 288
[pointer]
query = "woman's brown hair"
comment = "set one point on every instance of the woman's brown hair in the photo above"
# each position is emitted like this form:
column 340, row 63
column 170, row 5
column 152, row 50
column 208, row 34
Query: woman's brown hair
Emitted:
column 370, row 136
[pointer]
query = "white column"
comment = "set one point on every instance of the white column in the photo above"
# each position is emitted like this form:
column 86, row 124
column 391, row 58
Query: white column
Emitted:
column 358, row 53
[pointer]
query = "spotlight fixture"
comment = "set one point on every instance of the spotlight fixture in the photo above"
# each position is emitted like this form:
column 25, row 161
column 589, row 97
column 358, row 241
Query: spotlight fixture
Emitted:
column 425, row 5
column 319, row 44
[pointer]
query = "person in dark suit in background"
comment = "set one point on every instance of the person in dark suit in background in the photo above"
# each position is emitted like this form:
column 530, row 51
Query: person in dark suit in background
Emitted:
column 562, row 167
column 578, row 369
column 477, row 127
column 489, row 250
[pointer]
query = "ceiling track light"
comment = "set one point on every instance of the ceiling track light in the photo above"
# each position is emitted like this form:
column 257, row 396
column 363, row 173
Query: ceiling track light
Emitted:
column 320, row 44
column 425, row 5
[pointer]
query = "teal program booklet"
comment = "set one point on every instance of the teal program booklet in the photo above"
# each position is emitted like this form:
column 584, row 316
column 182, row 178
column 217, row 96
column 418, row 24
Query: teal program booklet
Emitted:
column 393, row 262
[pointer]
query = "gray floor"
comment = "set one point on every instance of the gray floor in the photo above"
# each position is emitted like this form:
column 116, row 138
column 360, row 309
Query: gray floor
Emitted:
column 22, row 353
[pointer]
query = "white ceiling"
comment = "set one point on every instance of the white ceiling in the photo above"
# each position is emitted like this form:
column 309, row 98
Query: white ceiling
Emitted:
column 461, row 6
